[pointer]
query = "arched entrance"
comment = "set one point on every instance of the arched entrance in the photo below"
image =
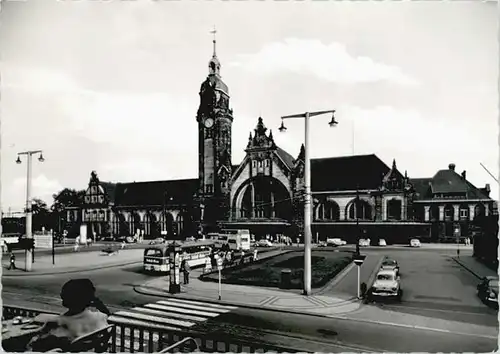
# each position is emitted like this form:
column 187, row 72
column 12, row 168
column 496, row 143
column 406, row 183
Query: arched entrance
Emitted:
column 167, row 224
column 363, row 211
column 263, row 197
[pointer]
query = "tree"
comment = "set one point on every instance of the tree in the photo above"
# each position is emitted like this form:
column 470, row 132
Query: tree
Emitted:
column 66, row 198
column 42, row 216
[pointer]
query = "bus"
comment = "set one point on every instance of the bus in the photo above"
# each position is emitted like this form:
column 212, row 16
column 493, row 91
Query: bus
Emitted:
column 237, row 239
column 156, row 258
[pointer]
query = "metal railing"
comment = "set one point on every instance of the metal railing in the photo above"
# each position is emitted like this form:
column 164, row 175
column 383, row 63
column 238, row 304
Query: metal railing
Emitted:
column 155, row 338
column 187, row 345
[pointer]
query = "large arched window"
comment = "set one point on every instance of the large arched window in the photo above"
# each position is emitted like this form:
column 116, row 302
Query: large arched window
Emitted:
column 263, row 197
column 167, row 223
column 328, row 210
column 363, row 210
column 180, row 223
column 394, row 209
column 434, row 213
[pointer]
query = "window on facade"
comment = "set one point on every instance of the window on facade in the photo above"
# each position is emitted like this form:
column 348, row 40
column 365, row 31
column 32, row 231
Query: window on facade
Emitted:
column 448, row 212
column 464, row 213
column 363, row 210
column 254, row 163
column 267, row 163
column 394, row 209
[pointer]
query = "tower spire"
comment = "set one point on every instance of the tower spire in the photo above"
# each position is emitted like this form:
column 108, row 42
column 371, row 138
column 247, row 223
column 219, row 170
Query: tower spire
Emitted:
column 214, row 41
column 214, row 64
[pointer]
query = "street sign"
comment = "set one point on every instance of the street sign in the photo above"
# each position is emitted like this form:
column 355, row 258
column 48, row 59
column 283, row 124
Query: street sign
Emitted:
column 359, row 259
column 219, row 263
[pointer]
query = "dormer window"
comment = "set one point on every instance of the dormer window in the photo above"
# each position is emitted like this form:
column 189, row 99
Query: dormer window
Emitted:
column 267, row 163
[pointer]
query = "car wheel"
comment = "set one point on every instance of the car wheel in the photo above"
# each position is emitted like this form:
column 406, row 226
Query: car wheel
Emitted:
column 400, row 295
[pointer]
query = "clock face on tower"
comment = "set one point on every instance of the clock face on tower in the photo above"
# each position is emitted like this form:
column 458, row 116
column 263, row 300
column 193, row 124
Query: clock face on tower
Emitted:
column 209, row 122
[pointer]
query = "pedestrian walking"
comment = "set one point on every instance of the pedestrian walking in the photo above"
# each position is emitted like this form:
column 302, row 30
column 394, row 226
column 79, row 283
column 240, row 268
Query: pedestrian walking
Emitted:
column 123, row 244
column 254, row 255
column 12, row 263
column 77, row 244
column 185, row 268
column 208, row 265
column 242, row 259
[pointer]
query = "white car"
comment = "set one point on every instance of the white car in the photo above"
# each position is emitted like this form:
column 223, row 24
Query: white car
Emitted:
column 364, row 242
column 382, row 242
column 415, row 242
column 387, row 284
column 335, row 242
column 265, row 243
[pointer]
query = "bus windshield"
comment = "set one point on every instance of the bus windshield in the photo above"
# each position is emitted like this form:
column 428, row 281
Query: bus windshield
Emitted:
column 154, row 252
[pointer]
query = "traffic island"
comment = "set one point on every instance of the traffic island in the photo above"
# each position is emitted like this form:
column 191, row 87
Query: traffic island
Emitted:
column 285, row 270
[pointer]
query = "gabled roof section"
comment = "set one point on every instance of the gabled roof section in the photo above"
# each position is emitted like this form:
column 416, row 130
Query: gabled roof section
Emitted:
column 109, row 189
column 448, row 181
column 285, row 156
column 347, row 173
column 422, row 187
column 156, row 192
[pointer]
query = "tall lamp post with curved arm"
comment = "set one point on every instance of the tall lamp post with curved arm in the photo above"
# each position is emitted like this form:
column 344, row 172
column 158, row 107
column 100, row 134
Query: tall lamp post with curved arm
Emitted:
column 307, row 187
column 29, row 212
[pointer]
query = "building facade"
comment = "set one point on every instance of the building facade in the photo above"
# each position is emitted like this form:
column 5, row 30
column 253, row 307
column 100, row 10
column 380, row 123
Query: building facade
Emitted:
column 352, row 196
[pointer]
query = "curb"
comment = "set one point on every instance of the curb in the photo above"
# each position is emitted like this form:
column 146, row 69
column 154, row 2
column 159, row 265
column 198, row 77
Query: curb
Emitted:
column 138, row 290
column 467, row 268
column 69, row 271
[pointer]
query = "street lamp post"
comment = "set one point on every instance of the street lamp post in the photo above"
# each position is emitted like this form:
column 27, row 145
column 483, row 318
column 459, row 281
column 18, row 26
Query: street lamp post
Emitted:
column 307, row 187
column 29, row 212
column 356, row 210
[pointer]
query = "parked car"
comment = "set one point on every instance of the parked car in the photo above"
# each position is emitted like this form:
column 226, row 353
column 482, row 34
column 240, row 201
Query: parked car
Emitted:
column 364, row 242
column 414, row 242
column 322, row 244
column 390, row 264
column 335, row 242
column 264, row 243
column 157, row 241
column 487, row 290
column 387, row 284
column 190, row 239
column 382, row 242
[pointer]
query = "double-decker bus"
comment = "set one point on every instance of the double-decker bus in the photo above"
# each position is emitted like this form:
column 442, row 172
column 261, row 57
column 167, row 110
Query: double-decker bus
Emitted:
column 236, row 239
column 156, row 258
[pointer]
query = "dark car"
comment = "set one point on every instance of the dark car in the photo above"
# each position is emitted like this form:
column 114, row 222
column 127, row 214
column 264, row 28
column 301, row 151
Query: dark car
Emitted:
column 487, row 291
column 390, row 264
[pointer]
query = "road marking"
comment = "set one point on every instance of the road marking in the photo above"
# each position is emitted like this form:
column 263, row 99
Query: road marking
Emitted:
column 169, row 314
column 176, row 309
column 205, row 304
column 158, row 319
column 189, row 306
column 437, row 310
column 413, row 327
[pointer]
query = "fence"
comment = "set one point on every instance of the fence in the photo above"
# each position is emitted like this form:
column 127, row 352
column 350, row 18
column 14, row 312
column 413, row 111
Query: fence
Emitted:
column 151, row 339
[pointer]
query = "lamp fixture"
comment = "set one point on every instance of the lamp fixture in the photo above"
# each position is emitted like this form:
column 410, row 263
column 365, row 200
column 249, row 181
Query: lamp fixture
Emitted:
column 333, row 122
column 18, row 161
column 41, row 159
column 282, row 128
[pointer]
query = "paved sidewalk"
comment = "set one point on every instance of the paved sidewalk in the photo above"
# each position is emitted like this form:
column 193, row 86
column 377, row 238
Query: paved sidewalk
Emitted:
column 73, row 262
column 474, row 266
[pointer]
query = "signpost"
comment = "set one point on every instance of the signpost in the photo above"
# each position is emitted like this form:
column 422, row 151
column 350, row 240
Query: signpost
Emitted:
column 219, row 268
column 358, row 260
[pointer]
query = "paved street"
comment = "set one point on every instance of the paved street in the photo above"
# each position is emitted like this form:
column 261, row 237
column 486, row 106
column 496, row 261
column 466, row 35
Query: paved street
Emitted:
column 439, row 312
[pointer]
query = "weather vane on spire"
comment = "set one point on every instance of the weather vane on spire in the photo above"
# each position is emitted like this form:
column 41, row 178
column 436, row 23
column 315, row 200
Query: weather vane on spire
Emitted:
column 214, row 32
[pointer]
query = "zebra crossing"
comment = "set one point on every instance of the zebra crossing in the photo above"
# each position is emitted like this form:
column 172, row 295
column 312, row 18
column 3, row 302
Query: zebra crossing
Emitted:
column 165, row 315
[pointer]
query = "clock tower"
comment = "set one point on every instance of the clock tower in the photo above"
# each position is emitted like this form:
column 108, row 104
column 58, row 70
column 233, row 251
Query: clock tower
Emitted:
column 215, row 120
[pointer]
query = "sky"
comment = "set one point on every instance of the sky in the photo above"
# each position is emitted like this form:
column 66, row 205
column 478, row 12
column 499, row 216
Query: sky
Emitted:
column 112, row 86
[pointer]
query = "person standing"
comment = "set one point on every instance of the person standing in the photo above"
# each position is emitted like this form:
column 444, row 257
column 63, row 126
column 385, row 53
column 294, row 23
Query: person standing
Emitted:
column 255, row 255
column 77, row 243
column 12, row 263
column 185, row 269
column 242, row 260
column 208, row 265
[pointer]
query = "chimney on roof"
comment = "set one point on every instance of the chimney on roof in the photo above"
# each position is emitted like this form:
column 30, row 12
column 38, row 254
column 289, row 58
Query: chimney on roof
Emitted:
column 464, row 175
column 487, row 187
column 451, row 166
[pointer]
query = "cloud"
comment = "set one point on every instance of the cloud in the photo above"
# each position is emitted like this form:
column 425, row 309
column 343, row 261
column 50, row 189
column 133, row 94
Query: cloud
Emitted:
column 42, row 187
column 330, row 62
